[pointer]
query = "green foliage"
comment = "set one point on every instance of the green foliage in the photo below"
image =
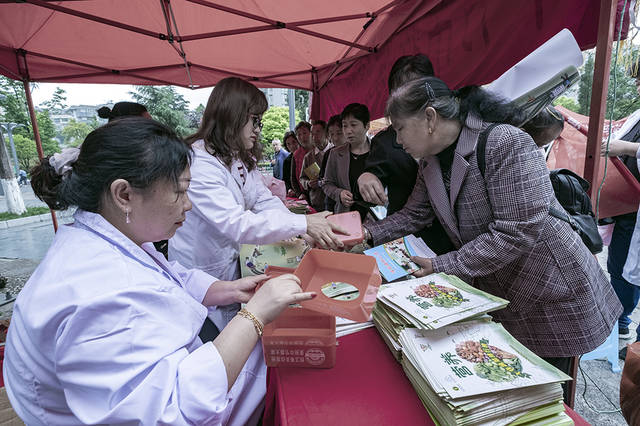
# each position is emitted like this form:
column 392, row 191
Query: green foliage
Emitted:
column 194, row 117
column 627, row 99
column 275, row 124
column 167, row 106
column 14, row 103
column 31, row 211
column 47, row 132
column 58, row 100
column 302, row 103
column 26, row 151
column 75, row 132
column 567, row 103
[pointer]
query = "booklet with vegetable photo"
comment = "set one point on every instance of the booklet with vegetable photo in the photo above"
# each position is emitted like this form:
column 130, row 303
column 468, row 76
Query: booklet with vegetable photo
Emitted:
column 437, row 300
column 393, row 258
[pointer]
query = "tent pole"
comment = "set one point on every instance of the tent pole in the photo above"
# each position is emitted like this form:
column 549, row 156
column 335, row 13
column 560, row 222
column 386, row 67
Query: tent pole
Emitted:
column 36, row 134
column 606, row 24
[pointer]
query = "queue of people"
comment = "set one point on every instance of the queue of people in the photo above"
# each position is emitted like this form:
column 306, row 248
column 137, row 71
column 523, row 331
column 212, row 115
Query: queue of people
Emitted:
column 108, row 330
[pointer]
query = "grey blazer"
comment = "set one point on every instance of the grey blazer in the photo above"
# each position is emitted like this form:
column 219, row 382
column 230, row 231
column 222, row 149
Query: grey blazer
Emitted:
column 561, row 303
column 336, row 176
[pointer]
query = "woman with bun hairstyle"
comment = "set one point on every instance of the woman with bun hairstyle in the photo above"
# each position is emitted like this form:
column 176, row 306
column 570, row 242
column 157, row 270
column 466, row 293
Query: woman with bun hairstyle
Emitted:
column 123, row 109
column 561, row 304
column 231, row 204
column 106, row 330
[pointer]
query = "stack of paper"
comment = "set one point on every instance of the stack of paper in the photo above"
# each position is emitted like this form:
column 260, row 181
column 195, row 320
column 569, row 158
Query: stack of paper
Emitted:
column 254, row 259
column 297, row 206
column 345, row 327
column 437, row 300
column 476, row 373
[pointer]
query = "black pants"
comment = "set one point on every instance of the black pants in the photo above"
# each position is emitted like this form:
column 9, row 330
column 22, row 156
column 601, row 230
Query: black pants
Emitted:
column 564, row 364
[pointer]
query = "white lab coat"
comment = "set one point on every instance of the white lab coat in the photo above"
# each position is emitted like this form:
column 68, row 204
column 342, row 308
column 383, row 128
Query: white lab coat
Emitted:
column 225, row 214
column 631, row 271
column 103, row 334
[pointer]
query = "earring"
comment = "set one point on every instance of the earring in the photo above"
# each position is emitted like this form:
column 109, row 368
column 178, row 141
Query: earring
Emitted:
column 127, row 220
column 430, row 130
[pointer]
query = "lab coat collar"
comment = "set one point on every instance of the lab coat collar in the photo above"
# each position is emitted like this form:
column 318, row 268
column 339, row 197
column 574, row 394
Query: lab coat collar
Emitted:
column 97, row 224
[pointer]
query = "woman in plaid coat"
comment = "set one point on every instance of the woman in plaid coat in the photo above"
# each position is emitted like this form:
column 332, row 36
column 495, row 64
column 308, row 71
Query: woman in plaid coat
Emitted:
column 561, row 303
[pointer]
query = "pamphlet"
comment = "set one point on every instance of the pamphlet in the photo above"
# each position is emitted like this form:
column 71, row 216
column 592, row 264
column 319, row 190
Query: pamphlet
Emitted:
column 312, row 171
column 254, row 259
column 437, row 300
column 393, row 258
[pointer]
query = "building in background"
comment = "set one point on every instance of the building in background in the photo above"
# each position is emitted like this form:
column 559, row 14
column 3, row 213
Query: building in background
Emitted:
column 276, row 97
column 79, row 113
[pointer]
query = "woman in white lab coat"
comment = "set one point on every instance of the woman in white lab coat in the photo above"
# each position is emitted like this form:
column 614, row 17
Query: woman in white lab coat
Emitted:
column 106, row 330
column 231, row 205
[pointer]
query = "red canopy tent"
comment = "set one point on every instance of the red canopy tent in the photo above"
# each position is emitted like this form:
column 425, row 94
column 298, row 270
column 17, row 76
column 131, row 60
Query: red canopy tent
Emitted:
column 340, row 50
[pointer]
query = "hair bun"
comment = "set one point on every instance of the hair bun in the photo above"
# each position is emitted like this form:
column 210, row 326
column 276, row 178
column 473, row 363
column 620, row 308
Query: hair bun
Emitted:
column 104, row 112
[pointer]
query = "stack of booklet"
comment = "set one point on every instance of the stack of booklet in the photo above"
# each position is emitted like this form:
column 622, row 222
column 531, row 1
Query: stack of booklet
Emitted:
column 345, row 327
column 429, row 302
column 475, row 372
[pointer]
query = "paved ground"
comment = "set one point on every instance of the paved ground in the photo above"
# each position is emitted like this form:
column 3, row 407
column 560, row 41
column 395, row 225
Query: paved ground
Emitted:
column 597, row 400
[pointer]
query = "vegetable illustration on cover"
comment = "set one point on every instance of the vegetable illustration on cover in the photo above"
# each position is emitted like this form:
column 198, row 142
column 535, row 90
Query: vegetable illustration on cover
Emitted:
column 445, row 297
column 491, row 362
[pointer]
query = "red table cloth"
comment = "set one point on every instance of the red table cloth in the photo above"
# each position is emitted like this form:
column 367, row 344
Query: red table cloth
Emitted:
column 366, row 387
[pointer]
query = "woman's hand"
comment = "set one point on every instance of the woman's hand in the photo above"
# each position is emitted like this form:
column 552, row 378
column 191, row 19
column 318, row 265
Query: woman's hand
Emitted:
column 618, row 147
column 322, row 231
column 222, row 293
column 426, row 267
column 275, row 295
column 371, row 189
column 346, row 198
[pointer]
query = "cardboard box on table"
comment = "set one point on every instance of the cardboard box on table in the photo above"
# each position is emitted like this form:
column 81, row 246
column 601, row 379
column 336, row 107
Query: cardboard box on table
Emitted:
column 306, row 336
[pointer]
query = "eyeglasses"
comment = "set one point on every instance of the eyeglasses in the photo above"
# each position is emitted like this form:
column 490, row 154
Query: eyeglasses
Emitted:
column 257, row 122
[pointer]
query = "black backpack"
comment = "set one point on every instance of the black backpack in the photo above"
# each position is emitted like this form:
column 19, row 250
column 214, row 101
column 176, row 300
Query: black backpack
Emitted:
column 572, row 192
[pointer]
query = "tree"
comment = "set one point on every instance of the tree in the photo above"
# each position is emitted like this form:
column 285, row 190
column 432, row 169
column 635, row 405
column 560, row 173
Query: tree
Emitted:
column 195, row 116
column 166, row 105
column 568, row 103
column 626, row 94
column 47, row 132
column 26, row 151
column 302, row 103
column 75, row 132
column 14, row 104
column 275, row 123
column 58, row 100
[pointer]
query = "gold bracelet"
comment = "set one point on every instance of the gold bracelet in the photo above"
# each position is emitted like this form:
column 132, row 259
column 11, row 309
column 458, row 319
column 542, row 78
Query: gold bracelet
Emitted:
column 257, row 324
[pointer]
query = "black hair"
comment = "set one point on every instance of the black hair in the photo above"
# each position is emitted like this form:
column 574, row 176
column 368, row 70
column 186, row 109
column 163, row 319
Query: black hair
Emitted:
column 407, row 68
column 544, row 125
column 335, row 120
column 416, row 95
column 358, row 111
column 303, row 124
column 139, row 150
column 320, row 123
column 122, row 109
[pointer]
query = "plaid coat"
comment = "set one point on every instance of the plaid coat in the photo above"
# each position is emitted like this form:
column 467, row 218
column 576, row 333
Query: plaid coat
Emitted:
column 561, row 303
